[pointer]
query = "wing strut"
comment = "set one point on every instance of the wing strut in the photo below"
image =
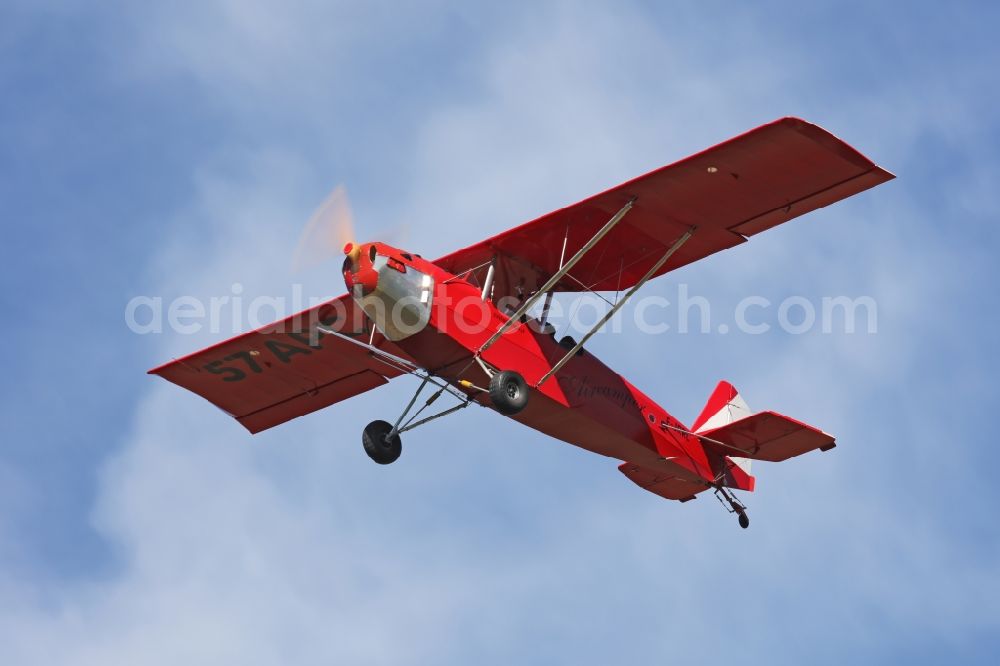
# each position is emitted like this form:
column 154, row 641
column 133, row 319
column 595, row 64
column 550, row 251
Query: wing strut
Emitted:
column 558, row 275
column 398, row 363
column 617, row 306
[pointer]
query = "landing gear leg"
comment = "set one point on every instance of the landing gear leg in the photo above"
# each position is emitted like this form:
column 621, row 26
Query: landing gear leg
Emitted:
column 735, row 506
column 381, row 439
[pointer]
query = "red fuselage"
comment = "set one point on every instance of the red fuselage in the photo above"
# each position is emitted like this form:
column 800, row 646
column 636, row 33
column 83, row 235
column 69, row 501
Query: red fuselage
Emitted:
column 585, row 403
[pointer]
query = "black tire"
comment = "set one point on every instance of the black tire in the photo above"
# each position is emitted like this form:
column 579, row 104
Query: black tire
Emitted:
column 509, row 392
column 379, row 448
column 744, row 520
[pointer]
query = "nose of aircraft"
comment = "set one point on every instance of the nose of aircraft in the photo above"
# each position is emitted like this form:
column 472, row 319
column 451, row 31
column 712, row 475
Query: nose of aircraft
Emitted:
column 358, row 269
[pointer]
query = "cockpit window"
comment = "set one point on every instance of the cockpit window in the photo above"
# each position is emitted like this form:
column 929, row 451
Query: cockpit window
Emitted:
column 371, row 253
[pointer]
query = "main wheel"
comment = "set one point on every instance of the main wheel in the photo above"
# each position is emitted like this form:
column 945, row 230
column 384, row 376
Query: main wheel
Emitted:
column 378, row 445
column 509, row 392
column 744, row 520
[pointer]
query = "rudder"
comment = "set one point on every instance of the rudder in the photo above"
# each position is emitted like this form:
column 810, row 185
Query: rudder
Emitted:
column 724, row 406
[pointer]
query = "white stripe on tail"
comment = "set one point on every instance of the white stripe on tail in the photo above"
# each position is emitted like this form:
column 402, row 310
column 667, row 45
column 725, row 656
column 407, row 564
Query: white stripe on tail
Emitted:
column 723, row 407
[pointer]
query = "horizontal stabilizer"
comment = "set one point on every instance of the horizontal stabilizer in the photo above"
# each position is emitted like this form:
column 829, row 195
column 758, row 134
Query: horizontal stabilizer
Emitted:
column 766, row 436
column 661, row 483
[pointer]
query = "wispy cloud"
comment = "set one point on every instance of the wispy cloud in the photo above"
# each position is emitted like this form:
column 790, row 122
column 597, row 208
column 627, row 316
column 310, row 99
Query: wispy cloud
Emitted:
column 488, row 542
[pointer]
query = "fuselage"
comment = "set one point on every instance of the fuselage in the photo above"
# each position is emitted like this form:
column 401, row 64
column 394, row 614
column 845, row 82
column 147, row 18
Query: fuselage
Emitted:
column 443, row 320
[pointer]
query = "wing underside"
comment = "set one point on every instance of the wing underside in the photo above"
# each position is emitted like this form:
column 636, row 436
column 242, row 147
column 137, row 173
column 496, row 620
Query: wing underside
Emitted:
column 727, row 193
column 287, row 369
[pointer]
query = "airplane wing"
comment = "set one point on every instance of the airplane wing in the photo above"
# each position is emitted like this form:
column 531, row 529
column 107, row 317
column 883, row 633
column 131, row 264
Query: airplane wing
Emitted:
column 737, row 189
column 287, row 369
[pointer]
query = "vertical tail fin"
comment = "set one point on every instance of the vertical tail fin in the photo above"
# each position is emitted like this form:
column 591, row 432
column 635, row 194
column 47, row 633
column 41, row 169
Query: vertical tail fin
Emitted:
column 724, row 406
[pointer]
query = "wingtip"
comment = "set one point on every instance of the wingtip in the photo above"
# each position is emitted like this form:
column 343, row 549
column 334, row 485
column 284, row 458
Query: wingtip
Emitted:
column 157, row 370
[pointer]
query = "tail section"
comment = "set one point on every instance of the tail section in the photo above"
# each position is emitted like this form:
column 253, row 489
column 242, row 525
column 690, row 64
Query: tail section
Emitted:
column 723, row 407
column 731, row 436
column 726, row 406
column 726, row 426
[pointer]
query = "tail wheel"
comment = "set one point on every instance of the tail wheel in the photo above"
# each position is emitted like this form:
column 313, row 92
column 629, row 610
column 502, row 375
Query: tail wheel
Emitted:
column 509, row 392
column 378, row 445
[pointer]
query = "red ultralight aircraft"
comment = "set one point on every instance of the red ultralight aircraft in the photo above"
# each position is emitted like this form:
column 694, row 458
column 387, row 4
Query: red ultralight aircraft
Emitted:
column 461, row 323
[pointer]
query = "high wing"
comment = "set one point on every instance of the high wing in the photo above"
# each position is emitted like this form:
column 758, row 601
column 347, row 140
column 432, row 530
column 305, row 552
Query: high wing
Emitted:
column 737, row 189
column 289, row 368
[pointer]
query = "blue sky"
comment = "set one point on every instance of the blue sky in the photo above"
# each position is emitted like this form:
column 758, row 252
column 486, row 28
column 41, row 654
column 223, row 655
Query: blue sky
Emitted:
column 177, row 148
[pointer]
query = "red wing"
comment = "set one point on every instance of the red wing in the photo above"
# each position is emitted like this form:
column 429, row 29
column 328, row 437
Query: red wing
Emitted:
column 279, row 372
column 766, row 436
column 734, row 190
